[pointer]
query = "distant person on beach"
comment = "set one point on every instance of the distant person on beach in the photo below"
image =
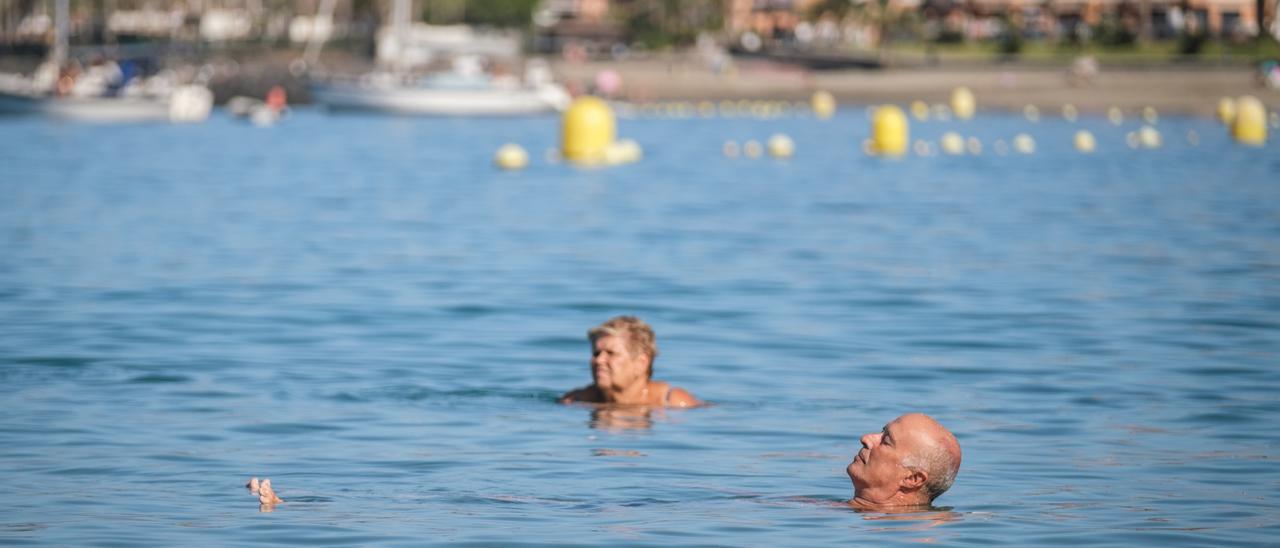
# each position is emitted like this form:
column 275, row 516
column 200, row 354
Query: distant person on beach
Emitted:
column 1084, row 71
column 622, row 354
column 907, row 464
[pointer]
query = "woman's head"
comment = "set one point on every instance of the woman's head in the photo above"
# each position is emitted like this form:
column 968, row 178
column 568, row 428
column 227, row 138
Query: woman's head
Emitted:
column 621, row 344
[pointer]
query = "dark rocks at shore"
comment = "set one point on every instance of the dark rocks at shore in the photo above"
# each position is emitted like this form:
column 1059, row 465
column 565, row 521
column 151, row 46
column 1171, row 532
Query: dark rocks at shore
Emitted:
column 255, row 80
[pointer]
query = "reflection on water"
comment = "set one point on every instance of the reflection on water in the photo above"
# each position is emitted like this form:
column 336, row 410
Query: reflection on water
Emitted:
column 625, row 417
column 616, row 453
column 365, row 311
column 916, row 522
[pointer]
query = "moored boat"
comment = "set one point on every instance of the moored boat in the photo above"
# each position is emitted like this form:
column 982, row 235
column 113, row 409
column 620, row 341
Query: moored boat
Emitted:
column 102, row 92
column 452, row 94
column 410, row 79
column 179, row 104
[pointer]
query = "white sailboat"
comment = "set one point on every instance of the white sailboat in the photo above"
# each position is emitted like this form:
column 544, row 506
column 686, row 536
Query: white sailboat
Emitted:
column 465, row 91
column 91, row 97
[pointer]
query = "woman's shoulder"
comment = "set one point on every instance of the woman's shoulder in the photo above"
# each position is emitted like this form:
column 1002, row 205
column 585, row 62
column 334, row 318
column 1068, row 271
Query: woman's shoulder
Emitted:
column 674, row 396
column 586, row 394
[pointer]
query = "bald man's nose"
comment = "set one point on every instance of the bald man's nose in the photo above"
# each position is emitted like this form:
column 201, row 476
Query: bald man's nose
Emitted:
column 869, row 440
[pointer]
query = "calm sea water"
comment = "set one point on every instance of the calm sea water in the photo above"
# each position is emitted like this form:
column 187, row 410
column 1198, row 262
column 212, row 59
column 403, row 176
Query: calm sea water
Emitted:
column 365, row 311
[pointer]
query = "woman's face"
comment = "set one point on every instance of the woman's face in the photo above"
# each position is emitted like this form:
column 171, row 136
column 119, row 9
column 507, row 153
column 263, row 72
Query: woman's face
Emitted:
column 614, row 366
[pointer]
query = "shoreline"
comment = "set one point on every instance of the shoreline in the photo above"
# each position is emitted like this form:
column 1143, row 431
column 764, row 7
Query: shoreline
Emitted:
column 1189, row 90
column 1176, row 88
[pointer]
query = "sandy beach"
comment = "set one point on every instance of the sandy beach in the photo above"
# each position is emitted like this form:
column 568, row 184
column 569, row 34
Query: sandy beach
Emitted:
column 1192, row 89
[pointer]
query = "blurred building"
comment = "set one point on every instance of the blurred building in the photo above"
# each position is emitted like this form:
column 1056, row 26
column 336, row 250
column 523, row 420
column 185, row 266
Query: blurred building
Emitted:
column 762, row 22
column 767, row 18
column 593, row 27
column 106, row 21
column 576, row 27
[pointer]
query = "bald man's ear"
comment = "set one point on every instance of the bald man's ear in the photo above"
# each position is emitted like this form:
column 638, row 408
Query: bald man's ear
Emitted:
column 915, row 480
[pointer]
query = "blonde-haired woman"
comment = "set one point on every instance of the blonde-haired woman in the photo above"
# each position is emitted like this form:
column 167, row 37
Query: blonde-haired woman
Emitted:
column 622, row 354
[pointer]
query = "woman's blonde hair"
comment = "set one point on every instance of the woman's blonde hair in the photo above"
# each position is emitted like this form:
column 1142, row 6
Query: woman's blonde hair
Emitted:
column 638, row 335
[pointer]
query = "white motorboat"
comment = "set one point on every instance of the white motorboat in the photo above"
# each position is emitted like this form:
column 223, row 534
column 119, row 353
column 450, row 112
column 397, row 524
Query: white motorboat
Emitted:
column 86, row 109
column 466, row 90
column 181, row 104
column 434, row 102
column 441, row 95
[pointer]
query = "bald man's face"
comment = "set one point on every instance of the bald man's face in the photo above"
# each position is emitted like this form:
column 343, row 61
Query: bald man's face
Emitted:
column 877, row 468
column 877, row 471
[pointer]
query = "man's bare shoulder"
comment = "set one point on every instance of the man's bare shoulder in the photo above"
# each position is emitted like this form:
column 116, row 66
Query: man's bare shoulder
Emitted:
column 586, row 394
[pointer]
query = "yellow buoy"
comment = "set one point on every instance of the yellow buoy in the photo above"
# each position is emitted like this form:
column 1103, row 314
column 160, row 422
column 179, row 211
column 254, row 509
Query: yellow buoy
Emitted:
column 1085, row 142
column 973, row 145
column 622, row 152
column 1024, row 144
column 1226, row 111
column 1032, row 113
column 823, row 104
column 952, row 143
column 731, row 149
column 890, row 134
column 587, row 129
column 920, row 110
column 1115, row 115
column 1150, row 137
column 1069, row 112
column 511, row 156
column 781, row 146
column 962, row 103
column 751, row 149
column 1150, row 115
column 1250, row 125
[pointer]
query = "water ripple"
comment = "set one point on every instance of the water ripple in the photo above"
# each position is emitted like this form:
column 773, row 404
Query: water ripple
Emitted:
column 362, row 309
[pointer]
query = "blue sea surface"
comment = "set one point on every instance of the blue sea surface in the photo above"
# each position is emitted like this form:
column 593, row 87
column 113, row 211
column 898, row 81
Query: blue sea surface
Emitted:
column 364, row 310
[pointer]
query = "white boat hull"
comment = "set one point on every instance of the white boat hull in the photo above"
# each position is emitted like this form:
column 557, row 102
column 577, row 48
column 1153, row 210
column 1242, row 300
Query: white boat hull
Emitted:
column 87, row 109
column 436, row 102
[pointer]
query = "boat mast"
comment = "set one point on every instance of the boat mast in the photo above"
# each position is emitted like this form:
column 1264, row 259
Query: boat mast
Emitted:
column 311, row 55
column 400, row 26
column 61, row 31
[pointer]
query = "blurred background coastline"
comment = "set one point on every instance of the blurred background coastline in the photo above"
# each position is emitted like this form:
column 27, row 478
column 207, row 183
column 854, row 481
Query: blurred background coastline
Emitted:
column 1175, row 55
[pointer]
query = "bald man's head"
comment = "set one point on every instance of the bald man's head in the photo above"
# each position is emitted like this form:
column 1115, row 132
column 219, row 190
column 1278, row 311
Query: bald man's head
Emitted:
column 910, row 462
